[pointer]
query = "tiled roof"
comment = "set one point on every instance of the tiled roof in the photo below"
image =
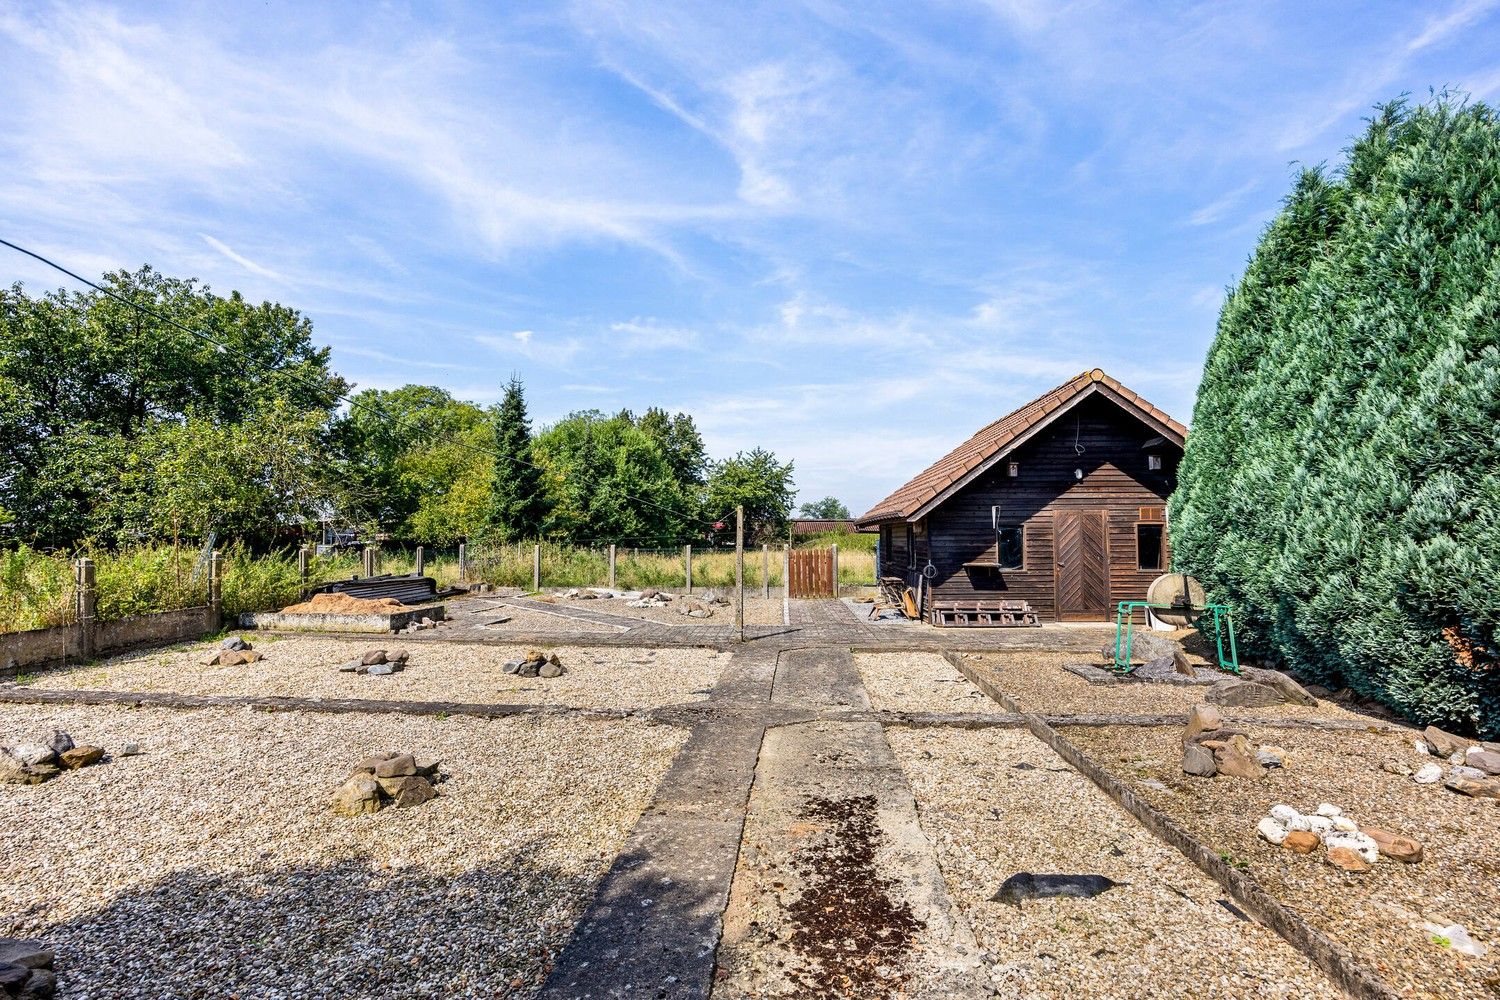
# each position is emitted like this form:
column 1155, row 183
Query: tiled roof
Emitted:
column 938, row 477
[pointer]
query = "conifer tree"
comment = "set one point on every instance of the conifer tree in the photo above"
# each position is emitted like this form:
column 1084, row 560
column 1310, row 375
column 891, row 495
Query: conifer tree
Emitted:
column 517, row 505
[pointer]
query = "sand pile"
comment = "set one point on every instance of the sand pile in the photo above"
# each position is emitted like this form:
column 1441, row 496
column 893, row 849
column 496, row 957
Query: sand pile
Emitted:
column 343, row 604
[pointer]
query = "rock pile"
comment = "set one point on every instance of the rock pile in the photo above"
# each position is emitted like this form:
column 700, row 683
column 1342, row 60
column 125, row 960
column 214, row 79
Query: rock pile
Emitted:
column 423, row 625
column 650, row 598
column 232, row 652
column 26, row 970
column 1348, row 845
column 33, row 762
column 1209, row 749
column 384, row 779
column 1473, row 767
column 377, row 662
column 536, row 664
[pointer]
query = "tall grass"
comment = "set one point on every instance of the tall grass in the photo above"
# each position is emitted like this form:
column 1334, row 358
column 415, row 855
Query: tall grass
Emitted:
column 636, row 569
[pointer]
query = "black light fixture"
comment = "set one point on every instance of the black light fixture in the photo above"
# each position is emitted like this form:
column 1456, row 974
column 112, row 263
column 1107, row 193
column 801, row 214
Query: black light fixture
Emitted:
column 1013, row 469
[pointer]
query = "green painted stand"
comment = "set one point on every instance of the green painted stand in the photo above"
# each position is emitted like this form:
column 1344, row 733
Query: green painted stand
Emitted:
column 1125, row 629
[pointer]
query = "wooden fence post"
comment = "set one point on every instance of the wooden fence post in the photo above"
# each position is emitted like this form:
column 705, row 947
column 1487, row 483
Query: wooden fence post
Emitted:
column 420, row 566
column 739, row 571
column 835, row 571
column 687, row 559
column 87, row 603
column 611, row 565
column 536, row 567
column 765, row 570
column 216, row 589
column 463, row 562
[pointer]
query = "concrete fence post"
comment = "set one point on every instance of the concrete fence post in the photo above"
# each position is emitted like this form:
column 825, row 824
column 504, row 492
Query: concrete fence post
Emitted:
column 765, row 570
column 302, row 565
column 420, row 566
column 216, row 589
column 368, row 561
column 87, row 598
column 536, row 567
column 835, row 570
column 687, row 561
column 611, row 565
column 739, row 571
column 786, row 571
column 463, row 562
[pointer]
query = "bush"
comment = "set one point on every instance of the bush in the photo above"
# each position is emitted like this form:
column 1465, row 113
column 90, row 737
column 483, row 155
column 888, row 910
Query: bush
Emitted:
column 1341, row 484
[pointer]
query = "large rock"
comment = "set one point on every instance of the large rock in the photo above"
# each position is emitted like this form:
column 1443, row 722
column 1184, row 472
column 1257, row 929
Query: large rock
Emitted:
column 82, row 757
column 372, row 657
column 13, row 772
column 1347, row 859
column 1301, row 841
column 1291, row 692
column 1234, row 762
column 410, row 791
column 1271, row 831
column 32, row 753
column 61, row 742
column 1244, row 694
column 12, row 976
column 18, row 951
column 550, row 669
column 1445, row 744
column 398, row 766
column 1428, row 774
column 1198, row 760
column 41, row 985
column 358, row 795
column 1202, row 719
column 1486, row 788
column 1487, row 761
column 1394, row 846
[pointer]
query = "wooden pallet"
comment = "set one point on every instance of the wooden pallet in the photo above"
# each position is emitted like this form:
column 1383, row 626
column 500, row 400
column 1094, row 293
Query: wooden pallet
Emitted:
column 983, row 614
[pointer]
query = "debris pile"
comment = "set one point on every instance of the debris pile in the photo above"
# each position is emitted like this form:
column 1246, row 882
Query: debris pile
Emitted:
column 536, row 664
column 377, row 662
column 650, row 598
column 1472, row 768
column 1209, row 749
column 1348, row 845
column 385, row 779
column 32, row 762
column 343, row 604
column 26, row 970
column 232, row 652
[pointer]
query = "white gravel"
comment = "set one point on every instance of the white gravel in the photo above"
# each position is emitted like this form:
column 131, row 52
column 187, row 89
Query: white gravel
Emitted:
column 919, row 682
column 1163, row 934
column 447, row 671
column 210, row 866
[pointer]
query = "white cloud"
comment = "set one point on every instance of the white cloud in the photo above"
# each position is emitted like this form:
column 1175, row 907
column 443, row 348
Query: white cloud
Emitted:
column 651, row 335
column 1215, row 210
column 242, row 261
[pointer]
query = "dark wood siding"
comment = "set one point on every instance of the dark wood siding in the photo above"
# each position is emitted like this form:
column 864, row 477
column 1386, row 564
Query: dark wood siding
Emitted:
column 1116, row 484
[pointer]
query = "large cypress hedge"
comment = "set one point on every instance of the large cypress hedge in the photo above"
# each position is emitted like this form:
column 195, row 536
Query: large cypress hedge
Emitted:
column 1341, row 486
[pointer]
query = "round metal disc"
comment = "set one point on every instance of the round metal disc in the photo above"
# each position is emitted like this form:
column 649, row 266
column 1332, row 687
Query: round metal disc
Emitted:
column 1169, row 589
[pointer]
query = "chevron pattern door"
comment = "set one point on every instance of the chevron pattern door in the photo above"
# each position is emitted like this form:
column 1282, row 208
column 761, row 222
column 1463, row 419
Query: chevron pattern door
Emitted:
column 1082, row 565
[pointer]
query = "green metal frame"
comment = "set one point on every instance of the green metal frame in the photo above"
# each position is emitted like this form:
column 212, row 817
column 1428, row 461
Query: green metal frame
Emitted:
column 1125, row 628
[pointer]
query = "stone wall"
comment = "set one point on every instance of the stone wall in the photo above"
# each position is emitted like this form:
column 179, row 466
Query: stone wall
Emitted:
column 46, row 648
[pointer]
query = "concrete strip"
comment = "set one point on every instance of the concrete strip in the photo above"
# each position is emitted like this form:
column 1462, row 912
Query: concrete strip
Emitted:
column 654, row 925
column 822, row 678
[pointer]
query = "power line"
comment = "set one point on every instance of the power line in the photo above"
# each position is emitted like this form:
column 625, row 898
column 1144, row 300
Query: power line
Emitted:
column 353, row 402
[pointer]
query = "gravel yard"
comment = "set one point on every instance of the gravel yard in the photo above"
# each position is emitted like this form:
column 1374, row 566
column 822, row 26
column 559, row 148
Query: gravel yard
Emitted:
column 438, row 671
column 1038, row 681
column 1378, row 915
column 758, row 610
column 998, row 802
column 919, row 682
column 210, row 865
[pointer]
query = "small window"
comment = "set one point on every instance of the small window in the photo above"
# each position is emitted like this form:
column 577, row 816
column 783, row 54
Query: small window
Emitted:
column 1153, row 462
column 1010, row 546
column 1148, row 546
column 1013, row 469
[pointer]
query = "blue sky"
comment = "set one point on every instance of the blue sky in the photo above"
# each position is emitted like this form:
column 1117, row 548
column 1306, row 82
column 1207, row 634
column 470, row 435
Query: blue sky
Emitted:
column 850, row 234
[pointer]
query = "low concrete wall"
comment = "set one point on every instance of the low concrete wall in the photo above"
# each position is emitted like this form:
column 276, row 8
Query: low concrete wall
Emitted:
column 276, row 621
column 45, row 648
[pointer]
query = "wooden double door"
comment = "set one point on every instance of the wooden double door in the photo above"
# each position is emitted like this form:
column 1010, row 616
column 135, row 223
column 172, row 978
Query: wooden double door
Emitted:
column 1081, row 565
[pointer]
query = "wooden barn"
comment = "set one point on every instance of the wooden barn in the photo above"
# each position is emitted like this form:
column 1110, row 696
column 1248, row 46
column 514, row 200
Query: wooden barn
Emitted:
column 1060, row 503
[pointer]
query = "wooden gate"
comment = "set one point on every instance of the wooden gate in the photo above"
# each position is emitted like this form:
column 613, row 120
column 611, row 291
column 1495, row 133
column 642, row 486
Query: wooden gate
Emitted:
column 811, row 572
column 1082, row 566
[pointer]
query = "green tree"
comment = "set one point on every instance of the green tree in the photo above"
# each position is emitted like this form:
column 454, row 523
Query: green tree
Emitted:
column 760, row 483
column 517, row 505
column 680, row 442
column 1341, row 484
column 607, row 479
column 826, row 509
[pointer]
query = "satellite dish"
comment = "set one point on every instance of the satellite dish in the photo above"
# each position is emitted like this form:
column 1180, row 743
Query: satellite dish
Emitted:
column 1176, row 599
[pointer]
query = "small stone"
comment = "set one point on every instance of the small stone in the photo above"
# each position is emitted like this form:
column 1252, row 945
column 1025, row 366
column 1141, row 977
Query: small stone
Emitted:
column 32, row 753
column 82, row 757
column 130, row 750
column 1396, row 768
column 351, row 667
column 1235, row 763
column 1488, row 788
column 1301, row 842
column 1428, row 774
column 372, row 657
column 234, row 642
column 210, row 659
column 1202, row 719
column 1271, row 831
column 428, row 768
column 397, row 656
column 550, row 669
column 381, row 669
column 511, row 666
column 412, row 791
column 1328, row 809
column 1320, row 825
column 1467, row 773
column 368, row 764
column 251, row 656
column 61, row 742
column 1347, row 859
column 1284, row 815
column 1445, row 744
column 1394, row 846
column 40, row 985
column 1198, row 760
column 231, row 658
column 1345, row 824
column 428, row 623
column 398, row 766
column 1270, row 756
column 358, row 795
column 1484, row 760
column 1365, row 847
